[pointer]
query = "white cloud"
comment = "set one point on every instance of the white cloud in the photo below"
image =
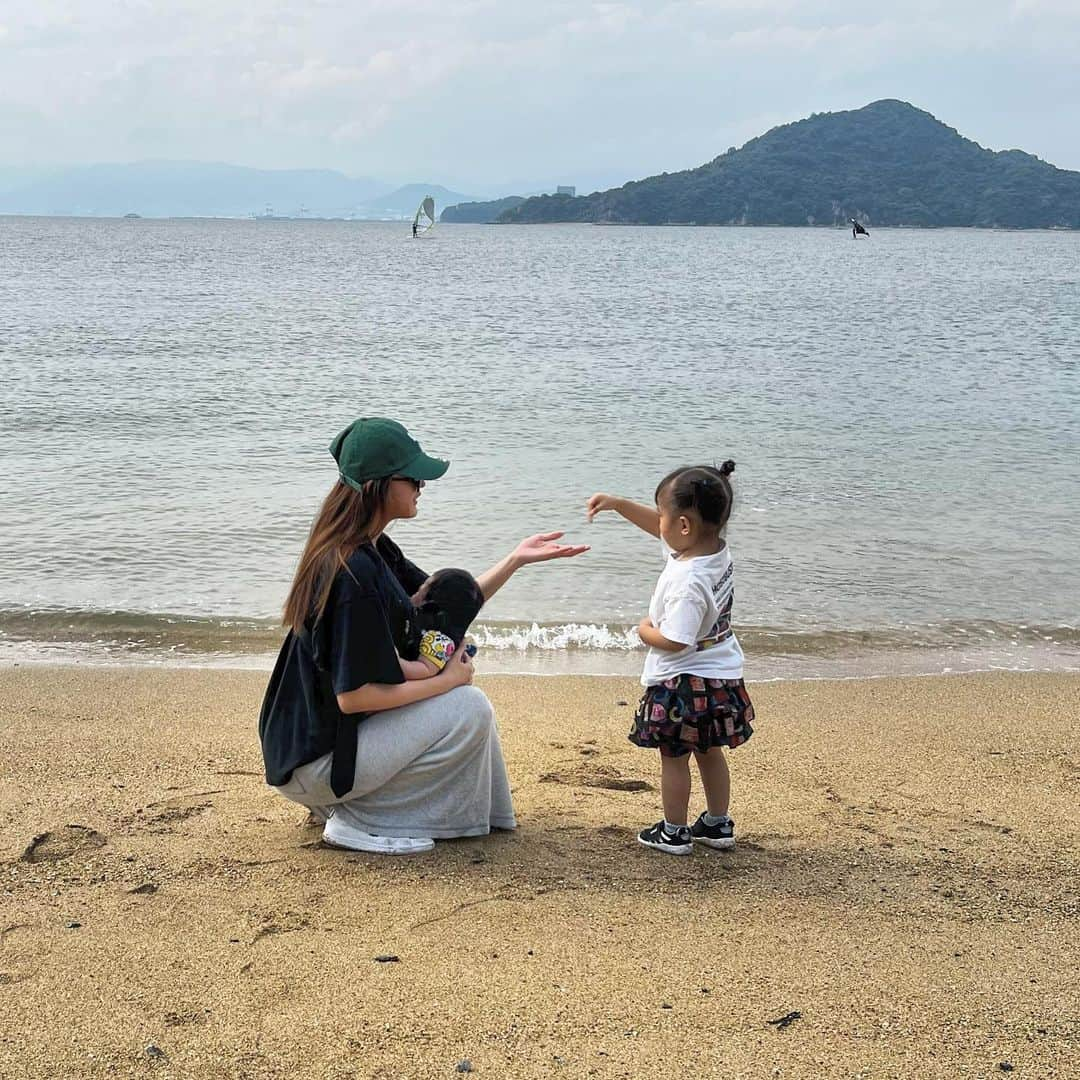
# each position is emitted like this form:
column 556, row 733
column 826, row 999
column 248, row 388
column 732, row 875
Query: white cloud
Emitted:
column 1067, row 9
column 478, row 88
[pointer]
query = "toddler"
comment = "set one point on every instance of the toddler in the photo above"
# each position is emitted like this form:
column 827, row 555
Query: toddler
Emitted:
column 445, row 605
column 694, row 702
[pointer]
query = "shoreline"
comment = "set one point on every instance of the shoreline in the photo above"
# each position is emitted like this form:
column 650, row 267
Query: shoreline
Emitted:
column 926, row 664
column 262, row 218
column 125, row 638
column 265, row 666
column 905, row 879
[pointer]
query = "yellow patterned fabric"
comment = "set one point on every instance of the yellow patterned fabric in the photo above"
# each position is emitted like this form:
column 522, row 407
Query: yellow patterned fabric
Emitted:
column 436, row 647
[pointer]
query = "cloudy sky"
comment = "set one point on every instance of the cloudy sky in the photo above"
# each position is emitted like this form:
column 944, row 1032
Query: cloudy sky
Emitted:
column 486, row 94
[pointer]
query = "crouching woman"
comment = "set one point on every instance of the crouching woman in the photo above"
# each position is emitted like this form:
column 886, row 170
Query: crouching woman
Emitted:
column 390, row 765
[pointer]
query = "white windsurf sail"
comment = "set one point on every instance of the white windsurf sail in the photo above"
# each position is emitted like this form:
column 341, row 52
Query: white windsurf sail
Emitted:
column 425, row 216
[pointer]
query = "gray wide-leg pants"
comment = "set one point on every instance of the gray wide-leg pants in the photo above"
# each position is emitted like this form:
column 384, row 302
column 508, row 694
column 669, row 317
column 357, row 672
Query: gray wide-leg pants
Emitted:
column 433, row 769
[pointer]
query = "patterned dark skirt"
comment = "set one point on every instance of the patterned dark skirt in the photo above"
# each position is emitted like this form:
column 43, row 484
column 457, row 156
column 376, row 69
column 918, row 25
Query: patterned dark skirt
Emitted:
column 689, row 713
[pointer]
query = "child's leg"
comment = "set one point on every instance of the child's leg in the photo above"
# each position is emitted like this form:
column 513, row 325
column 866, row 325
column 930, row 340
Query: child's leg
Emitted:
column 675, row 787
column 715, row 779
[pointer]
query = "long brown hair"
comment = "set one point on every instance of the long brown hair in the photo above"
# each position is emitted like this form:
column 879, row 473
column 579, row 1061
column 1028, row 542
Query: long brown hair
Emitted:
column 342, row 524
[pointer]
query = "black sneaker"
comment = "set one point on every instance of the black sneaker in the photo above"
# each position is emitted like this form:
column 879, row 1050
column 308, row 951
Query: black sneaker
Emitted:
column 717, row 836
column 677, row 843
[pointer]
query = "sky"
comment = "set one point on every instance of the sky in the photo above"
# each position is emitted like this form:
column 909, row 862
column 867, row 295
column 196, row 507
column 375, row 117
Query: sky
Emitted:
column 489, row 95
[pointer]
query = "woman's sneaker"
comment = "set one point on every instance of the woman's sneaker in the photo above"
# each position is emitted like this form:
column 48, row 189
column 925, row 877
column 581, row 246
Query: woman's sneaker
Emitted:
column 678, row 842
column 340, row 833
column 721, row 835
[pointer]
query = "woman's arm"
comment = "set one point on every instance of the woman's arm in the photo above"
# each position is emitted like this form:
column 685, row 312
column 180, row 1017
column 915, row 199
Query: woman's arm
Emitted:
column 376, row 697
column 538, row 548
column 644, row 517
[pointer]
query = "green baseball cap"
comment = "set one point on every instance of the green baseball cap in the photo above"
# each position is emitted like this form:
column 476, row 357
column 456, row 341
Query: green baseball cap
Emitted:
column 373, row 447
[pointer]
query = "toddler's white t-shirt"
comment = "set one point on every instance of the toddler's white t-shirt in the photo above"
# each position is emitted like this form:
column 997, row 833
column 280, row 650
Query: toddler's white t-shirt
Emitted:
column 692, row 604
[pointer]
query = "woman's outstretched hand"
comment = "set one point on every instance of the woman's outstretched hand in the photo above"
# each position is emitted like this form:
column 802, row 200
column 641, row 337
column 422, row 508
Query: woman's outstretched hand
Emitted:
column 533, row 549
column 542, row 546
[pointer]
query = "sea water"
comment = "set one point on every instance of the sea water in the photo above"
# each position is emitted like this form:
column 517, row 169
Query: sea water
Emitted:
column 903, row 412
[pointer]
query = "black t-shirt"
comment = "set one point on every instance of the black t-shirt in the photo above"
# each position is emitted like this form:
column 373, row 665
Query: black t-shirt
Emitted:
column 367, row 622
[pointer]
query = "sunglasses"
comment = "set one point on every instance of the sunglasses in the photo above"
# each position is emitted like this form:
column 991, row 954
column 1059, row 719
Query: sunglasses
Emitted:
column 417, row 484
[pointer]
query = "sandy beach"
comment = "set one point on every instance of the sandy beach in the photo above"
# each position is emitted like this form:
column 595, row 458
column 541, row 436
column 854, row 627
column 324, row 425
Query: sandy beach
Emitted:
column 906, row 882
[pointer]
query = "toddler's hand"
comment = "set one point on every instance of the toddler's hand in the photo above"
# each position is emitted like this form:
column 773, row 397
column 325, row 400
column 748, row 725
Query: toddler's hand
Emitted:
column 599, row 502
column 459, row 669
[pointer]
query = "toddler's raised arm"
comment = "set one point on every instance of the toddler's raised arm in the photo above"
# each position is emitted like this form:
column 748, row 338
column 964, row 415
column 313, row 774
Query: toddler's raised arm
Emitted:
column 644, row 517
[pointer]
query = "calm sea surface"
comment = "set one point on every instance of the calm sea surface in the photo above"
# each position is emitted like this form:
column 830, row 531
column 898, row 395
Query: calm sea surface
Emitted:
column 903, row 411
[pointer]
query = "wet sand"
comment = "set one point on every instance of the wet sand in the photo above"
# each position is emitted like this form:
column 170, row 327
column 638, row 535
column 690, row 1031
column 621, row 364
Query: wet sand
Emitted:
column 906, row 880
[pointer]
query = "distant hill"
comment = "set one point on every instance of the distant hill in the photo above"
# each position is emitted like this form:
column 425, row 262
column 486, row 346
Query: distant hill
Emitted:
column 13, row 176
column 886, row 164
column 480, row 213
column 189, row 189
column 404, row 201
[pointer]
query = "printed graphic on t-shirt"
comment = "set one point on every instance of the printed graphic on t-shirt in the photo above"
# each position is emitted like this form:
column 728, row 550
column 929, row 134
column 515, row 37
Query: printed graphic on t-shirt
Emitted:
column 724, row 594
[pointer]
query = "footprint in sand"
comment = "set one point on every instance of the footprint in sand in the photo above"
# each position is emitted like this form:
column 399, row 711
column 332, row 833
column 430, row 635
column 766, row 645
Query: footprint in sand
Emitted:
column 171, row 815
column 596, row 776
column 161, row 816
column 62, row 843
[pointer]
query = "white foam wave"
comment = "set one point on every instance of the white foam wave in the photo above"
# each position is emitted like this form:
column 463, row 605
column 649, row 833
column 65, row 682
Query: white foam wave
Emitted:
column 564, row 636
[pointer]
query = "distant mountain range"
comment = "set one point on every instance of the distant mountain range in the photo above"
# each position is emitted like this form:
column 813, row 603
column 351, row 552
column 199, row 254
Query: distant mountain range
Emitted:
column 888, row 163
column 405, row 200
column 208, row 189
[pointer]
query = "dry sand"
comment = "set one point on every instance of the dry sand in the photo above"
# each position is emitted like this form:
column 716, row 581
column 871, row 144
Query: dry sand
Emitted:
column 906, row 879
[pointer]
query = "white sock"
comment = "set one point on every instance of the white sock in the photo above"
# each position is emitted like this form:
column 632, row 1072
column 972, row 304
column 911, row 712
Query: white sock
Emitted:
column 711, row 820
column 670, row 829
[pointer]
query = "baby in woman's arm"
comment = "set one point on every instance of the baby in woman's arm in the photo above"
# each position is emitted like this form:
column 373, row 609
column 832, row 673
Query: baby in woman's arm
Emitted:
column 446, row 605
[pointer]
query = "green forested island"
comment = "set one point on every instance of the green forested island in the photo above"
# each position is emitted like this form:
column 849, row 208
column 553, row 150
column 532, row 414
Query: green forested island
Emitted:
column 888, row 163
column 480, row 213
